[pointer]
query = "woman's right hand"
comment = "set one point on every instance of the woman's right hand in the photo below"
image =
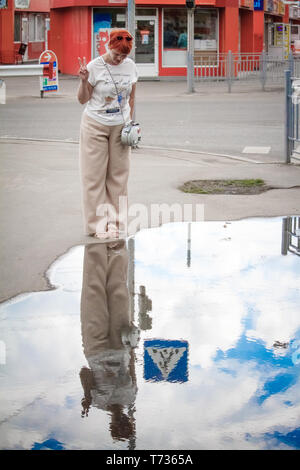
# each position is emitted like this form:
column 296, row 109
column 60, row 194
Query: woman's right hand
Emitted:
column 83, row 71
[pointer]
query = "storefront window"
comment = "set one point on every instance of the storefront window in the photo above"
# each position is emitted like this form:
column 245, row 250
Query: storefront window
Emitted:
column 205, row 37
column 174, row 37
column 40, row 28
column 31, row 27
column 144, row 41
column 17, row 27
column 105, row 19
column 205, row 30
column 36, row 27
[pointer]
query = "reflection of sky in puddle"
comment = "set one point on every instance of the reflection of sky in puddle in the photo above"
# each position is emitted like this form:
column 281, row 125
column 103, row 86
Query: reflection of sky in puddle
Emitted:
column 231, row 303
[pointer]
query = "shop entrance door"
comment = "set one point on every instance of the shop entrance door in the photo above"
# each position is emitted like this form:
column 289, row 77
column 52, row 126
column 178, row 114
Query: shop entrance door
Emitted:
column 146, row 46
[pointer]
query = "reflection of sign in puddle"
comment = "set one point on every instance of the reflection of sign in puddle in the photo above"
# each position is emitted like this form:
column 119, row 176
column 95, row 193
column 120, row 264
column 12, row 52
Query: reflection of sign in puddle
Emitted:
column 165, row 360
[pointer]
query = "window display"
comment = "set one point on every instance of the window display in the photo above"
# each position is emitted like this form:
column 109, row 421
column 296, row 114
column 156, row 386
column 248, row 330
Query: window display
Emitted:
column 175, row 34
column 174, row 37
column 17, row 27
column 104, row 20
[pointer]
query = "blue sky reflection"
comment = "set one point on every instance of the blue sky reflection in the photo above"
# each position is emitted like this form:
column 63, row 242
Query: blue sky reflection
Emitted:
column 237, row 307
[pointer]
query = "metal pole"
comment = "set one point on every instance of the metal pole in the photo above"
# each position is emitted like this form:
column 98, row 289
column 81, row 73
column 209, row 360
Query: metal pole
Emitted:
column 288, row 112
column 131, row 281
column 131, row 24
column 284, row 238
column 263, row 69
column 229, row 70
column 291, row 63
column 131, row 29
column 190, row 50
column 189, row 246
column 297, row 121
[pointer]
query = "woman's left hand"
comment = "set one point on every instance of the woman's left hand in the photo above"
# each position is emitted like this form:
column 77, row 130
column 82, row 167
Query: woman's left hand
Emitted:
column 83, row 71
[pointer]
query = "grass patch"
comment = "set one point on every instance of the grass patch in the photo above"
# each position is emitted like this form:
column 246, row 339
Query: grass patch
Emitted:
column 228, row 186
column 245, row 183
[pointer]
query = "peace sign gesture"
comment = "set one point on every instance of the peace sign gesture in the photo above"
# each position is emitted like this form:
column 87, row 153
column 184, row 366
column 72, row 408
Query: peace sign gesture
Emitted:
column 83, row 71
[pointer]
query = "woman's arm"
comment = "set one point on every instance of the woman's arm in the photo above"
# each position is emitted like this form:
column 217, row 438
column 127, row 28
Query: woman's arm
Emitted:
column 131, row 100
column 85, row 89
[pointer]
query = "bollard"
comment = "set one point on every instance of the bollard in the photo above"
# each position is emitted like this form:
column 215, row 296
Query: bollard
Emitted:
column 2, row 92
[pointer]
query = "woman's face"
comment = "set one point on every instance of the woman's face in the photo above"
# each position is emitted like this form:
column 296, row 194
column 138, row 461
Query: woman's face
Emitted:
column 116, row 57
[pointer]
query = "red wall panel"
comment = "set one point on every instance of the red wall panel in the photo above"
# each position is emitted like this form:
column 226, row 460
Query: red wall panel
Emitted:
column 70, row 37
column 7, row 54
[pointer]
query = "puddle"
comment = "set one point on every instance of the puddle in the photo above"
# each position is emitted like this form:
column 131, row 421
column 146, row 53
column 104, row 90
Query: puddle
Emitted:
column 212, row 362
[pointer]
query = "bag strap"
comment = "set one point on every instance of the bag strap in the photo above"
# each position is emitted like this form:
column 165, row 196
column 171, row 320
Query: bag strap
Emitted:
column 105, row 64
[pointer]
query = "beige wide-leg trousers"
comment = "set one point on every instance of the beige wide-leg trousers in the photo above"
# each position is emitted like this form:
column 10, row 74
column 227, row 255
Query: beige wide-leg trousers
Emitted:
column 104, row 170
column 104, row 301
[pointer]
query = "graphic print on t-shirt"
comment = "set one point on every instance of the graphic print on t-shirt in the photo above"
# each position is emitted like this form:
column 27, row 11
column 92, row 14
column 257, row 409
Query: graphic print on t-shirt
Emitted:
column 109, row 90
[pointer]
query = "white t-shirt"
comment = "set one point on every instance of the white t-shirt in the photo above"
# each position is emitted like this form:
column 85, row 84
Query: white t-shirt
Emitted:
column 104, row 105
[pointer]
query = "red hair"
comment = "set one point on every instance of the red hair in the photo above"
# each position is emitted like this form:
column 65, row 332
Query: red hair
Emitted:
column 123, row 46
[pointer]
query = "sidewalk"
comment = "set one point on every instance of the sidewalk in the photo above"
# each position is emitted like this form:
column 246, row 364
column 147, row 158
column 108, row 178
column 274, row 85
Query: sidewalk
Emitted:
column 41, row 202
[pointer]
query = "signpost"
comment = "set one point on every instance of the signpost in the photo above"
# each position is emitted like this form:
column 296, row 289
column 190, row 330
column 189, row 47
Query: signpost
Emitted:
column 131, row 23
column 190, row 5
column 49, row 83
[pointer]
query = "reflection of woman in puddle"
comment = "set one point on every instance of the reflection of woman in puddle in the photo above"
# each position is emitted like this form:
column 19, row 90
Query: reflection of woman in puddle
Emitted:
column 108, row 337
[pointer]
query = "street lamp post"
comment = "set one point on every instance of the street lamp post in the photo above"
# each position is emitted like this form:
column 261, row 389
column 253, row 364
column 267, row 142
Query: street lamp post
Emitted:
column 131, row 23
column 190, row 4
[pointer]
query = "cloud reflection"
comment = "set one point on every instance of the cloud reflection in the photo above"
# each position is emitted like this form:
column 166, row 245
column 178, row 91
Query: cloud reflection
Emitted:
column 236, row 303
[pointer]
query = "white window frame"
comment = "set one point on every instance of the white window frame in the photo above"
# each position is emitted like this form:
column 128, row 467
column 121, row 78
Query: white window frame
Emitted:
column 35, row 15
column 155, row 65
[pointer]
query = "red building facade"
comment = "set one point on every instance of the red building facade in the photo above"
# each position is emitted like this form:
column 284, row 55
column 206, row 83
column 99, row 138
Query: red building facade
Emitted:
column 23, row 21
column 81, row 28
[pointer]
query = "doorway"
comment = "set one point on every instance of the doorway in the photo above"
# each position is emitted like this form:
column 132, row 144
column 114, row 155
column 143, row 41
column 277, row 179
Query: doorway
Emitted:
column 146, row 45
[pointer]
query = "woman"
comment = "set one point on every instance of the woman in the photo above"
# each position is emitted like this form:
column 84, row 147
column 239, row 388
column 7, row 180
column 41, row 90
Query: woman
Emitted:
column 107, row 85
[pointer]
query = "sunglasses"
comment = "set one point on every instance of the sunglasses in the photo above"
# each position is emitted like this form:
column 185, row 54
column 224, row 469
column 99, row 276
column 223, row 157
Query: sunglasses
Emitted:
column 128, row 38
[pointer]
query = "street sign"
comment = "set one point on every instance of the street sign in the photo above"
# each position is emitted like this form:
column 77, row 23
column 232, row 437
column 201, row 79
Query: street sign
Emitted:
column 258, row 4
column 49, row 83
column 166, row 360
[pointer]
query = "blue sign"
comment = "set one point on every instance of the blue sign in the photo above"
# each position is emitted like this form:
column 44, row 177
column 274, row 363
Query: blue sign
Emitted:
column 102, row 21
column 258, row 4
column 166, row 360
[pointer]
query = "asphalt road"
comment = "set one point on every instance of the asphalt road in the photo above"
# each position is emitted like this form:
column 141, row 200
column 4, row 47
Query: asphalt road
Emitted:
column 210, row 120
